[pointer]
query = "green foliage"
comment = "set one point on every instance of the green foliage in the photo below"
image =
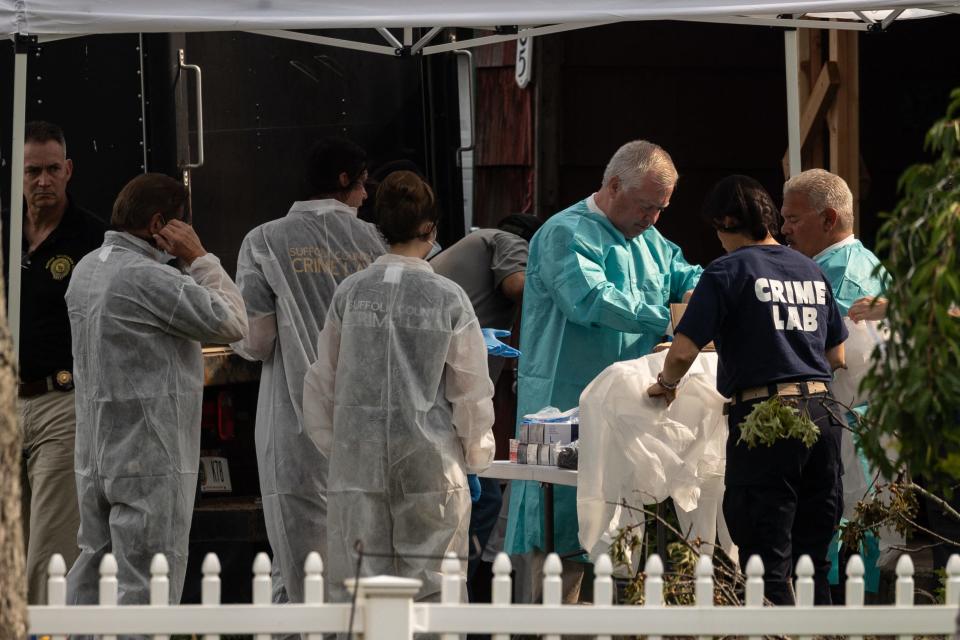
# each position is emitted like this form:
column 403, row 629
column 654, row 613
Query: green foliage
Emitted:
column 914, row 386
column 774, row 419
column 895, row 505
column 679, row 581
column 679, row 577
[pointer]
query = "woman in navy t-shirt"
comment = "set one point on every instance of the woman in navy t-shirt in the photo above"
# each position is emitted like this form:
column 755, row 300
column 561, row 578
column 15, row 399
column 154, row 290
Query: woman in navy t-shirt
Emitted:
column 771, row 314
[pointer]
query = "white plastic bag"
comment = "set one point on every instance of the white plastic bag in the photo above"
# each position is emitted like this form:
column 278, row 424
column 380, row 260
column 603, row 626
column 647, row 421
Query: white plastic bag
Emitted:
column 635, row 449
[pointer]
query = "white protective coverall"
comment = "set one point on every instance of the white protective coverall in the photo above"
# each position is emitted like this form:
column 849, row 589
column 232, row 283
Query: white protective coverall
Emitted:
column 137, row 325
column 288, row 270
column 400, row 401
column 636, row 449
column 858, row 479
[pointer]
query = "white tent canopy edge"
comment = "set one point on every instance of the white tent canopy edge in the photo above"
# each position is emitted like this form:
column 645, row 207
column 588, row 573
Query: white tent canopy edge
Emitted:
column 50, row 20
column 65, row 17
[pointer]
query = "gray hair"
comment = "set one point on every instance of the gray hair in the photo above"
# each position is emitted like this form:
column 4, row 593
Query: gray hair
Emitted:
column 824, row 190
column 640, row 158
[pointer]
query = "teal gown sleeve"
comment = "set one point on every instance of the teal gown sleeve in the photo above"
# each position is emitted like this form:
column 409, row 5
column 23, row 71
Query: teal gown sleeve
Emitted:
column 582, row 289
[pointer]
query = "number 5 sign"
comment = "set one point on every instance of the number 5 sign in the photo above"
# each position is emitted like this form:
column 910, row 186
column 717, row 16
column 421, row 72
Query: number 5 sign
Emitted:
column 524, row 69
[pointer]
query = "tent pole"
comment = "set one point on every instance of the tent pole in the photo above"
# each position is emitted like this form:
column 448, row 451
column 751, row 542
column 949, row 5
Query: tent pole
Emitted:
column 16, row 189
column 793, row 99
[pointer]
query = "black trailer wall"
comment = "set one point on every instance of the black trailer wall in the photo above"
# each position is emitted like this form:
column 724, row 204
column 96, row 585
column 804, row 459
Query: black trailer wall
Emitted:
column 265, row 100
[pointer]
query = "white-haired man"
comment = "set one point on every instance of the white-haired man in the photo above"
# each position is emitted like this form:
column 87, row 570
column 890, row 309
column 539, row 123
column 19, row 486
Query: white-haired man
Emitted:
column 599, row 282
column 818, row 222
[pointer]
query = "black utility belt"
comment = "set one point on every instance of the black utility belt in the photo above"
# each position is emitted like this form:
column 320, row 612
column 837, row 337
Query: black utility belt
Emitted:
column 59, row 381
column 786, row 389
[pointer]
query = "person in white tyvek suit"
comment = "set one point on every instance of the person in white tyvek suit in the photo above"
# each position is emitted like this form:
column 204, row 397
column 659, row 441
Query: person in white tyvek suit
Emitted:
column 401, row 401
column 137, row 325
column 287, row 270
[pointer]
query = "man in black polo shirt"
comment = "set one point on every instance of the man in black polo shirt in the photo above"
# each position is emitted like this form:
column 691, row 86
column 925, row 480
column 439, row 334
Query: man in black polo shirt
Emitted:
column 56, row 234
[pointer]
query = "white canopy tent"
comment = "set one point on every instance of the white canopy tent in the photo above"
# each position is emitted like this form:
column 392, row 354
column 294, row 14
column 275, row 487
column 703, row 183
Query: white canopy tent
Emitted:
column 72, row 17
column 48, row 20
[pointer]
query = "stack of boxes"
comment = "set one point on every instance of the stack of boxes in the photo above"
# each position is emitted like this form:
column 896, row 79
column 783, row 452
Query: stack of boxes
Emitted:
column 542, row 436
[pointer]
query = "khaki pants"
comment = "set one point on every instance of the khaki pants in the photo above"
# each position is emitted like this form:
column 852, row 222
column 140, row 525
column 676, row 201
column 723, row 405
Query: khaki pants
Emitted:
column 528, row 586
column 51, row 516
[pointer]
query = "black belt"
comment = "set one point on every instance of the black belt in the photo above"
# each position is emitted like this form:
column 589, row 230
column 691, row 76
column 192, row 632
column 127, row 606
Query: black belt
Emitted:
column 60, row 381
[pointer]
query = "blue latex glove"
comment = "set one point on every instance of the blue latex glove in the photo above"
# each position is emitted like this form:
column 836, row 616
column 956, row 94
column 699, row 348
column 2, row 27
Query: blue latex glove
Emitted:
column 497, row 348
column 475, row 489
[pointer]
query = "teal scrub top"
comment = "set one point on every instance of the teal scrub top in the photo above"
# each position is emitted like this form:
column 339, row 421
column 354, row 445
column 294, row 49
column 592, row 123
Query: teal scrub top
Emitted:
column 851, row 272
column 591, row 298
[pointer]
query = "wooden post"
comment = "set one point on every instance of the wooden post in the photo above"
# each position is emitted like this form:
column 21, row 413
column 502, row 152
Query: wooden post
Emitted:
column 754, row 587
column 450, row 586
column 811, row 65
column 108, row 585
column 160, row 585
column 804, row 585
column 843, row 118
column 13, row 573
column 262, row 585
column 502, row 586
column 210, row 586
column 603, row 585
column 313, row 584
column 953, row 581
column 855, row 587
column 653, row 585
column 819, row 82
column 387, row 605
column 703, row 587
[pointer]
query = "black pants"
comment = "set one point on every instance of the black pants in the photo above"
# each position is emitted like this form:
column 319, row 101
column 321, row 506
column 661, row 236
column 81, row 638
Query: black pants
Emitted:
column 785, row 500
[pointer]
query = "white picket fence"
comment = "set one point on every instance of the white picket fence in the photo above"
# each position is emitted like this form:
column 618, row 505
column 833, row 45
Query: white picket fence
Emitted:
column 386, row 610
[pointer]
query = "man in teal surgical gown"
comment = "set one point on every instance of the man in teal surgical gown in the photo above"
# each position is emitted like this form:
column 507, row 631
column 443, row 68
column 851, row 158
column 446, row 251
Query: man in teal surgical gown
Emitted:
column 818, row 222
column 599, row 282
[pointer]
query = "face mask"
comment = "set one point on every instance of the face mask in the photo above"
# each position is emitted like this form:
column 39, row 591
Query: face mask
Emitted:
column 435, row 250
column 158, row 254
column 164, row 257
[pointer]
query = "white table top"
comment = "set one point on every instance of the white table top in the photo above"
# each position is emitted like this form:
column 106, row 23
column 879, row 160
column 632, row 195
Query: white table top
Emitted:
column 505, row 470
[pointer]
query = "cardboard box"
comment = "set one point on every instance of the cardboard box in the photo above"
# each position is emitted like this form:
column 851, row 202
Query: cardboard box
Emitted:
column 532, row 453
column 535, row 432
column 543, row 454
column 555, row 453
column 560, row 432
